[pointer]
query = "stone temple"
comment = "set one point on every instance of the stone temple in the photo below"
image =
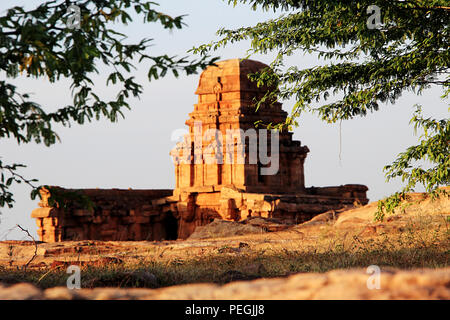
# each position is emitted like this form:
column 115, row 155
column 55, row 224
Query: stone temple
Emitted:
column 225, row 108
column 225, row 168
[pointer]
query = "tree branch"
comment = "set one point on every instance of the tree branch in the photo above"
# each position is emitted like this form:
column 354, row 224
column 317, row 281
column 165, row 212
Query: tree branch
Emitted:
column 35, row 247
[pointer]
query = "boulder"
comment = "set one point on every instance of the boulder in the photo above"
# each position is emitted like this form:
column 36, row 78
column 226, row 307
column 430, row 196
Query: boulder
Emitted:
column 221, row 228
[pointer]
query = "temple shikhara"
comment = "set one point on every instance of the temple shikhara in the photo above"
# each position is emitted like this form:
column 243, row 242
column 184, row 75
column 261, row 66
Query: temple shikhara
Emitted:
column 225, row 113
column 225, row 168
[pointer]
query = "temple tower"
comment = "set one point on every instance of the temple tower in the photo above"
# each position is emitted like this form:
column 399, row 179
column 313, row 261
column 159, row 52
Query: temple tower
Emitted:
column 224, row 147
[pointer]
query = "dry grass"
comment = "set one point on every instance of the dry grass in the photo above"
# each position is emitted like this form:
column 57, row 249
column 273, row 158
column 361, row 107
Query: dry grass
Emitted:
column 420, row 242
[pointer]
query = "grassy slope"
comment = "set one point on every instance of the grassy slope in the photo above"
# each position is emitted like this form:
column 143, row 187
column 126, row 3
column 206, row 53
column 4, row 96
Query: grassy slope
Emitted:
column 416, row 237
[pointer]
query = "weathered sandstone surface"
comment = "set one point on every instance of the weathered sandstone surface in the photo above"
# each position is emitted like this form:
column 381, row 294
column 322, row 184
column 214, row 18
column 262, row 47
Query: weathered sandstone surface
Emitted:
column 418, row 217
column 338, row 284
column 417, row 214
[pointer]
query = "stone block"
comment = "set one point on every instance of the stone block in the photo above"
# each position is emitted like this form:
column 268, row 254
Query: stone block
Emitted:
column 50, row 222
column 172, row 198
column 69, row 222
column 292, row 207
column 150, row 213
column 266, row 206
column 265, row 214
column 96, row 219
column 256, row 214
column 107, row 233
column 239, row 202
column 244, row 214
column 146, row 207
column 119, row 212
column 45, row 212
column 141, row 219
column 199, row 189
column 184, row 196
column 39, row 222
column 83, row 212
column 250, row 204
column 207, row 199
column 159, row 202
column 254, row 196
column 128, row 220
column 231, row 192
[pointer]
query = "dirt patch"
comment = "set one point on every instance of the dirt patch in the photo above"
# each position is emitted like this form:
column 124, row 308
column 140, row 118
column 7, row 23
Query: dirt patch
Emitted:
column 220, row 229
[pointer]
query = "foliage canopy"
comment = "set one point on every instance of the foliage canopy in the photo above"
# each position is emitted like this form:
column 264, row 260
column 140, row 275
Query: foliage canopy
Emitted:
column 49, row 41
column 370, row 63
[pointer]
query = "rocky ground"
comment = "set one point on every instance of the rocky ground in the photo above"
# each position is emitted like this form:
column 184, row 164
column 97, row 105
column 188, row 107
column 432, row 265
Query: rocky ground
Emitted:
column 339, row 284
column 325, row 258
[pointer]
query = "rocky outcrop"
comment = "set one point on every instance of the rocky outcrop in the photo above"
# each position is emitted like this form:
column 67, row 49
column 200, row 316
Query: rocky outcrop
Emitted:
column 221, row 228
column 339, row 284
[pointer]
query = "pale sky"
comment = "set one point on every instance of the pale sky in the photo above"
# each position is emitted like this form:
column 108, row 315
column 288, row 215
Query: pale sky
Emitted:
column 134, row 153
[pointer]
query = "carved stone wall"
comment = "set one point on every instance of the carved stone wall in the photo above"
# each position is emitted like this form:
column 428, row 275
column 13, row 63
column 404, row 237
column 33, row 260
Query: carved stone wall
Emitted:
column 200, row 207
column 160, row 215
column 225, row 105
column 116, row 215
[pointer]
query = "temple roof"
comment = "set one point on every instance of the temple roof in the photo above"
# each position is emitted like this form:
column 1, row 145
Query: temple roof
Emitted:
column 231, row 74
